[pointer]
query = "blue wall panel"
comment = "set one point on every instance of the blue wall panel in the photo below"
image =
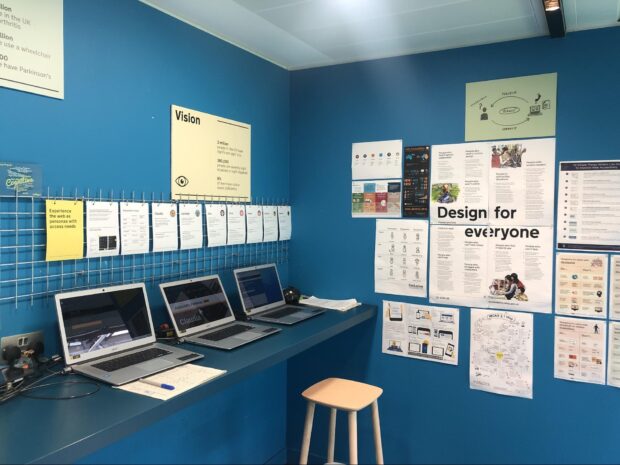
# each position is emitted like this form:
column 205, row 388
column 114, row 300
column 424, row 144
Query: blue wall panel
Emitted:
column 125, row 64
column 429, row 414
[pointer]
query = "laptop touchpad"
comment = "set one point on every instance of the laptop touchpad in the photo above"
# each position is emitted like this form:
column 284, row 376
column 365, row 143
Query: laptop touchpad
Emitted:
column 156, row 364
column 246, row 336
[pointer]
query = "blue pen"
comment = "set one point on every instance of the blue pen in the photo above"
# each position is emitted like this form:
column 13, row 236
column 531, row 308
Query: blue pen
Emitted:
column 159, row 385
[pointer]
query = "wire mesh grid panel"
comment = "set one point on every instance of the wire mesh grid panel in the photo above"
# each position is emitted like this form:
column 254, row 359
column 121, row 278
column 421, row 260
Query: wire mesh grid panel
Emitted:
column 26, row 275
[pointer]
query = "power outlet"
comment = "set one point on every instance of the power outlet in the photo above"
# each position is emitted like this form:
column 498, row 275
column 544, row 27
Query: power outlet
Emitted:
column 23, row 341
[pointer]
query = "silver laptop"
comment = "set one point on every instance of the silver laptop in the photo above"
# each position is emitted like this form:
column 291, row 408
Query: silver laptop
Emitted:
column 201, row 314
column 262, row 298
column 108, row 334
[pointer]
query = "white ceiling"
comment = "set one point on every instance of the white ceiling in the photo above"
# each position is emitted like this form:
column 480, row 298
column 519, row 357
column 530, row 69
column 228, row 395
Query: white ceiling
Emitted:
column 298, row 34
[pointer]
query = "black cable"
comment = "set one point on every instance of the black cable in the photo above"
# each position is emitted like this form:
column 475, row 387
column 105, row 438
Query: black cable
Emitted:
column 24, row 391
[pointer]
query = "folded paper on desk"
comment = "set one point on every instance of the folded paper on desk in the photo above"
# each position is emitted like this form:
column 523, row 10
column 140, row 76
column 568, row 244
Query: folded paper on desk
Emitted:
column 340, row 305
column 183, row 379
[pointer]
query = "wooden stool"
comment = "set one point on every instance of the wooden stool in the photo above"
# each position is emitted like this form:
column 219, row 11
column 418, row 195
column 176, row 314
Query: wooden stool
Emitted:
column 342, row 394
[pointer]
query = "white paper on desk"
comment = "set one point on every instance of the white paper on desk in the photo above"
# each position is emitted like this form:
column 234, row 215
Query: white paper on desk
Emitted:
column 215, row 215
column 165, row 232
column 270, row 223
column 134, row 228
column 501, row 352
column 254, row 221
column 284, row 222
column 183, row 379
column 340, row 305
column 102, row 230
column 190, row 225
column 236, row 224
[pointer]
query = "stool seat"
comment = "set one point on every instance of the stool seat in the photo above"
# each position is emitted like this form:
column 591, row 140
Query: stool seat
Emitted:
column 342, row 394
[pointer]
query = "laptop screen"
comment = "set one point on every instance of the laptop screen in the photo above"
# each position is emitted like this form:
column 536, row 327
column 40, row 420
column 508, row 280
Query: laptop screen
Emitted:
column 259, row 287
column 102, row 320
column 197, row 303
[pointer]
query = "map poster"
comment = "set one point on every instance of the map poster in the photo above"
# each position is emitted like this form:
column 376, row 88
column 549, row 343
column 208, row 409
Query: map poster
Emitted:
column 516, row 107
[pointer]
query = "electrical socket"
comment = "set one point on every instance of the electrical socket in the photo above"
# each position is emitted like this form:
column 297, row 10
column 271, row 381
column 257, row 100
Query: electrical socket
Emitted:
column 23, row 341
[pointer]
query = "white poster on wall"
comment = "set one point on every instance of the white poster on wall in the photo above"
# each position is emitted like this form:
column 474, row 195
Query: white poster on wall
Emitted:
column 377, row 160
column 134, row 228
column 581, row 284
column 31, row 46
column 254, row 222
column 614, row 289
column 502, row 352
column 165, row 230
column 420, row 331
column 400, row 257
column 215, row 215
column 270, row 223
column 102, row 229
column 190, row 225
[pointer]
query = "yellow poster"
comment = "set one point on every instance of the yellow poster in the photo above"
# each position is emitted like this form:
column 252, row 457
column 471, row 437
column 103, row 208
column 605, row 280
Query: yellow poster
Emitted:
column 210, row 156
column 64, row 223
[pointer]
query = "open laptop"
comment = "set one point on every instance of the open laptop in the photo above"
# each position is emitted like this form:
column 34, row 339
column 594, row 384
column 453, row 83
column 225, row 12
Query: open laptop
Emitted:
column 262, row 298
column 108, row 334
column 201, row 314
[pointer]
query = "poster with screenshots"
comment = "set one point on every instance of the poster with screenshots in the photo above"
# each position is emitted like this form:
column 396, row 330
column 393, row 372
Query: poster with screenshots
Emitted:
column 504, row 267
column 520, row 106
column 376, row 199
column 613, row 364
column 102, row 229
column 493, row 183
column 580, row 350
column 377, row 160
column 614, row 289
column 501, row 355
column 581, row 284
column 401, row 249
column 416, row 171
column 588, row 201
column 420, row 331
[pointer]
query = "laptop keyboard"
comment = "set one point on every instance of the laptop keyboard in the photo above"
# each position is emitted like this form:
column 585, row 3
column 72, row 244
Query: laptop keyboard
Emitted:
column 226, row 332
column 281, row 312
column 131, row 359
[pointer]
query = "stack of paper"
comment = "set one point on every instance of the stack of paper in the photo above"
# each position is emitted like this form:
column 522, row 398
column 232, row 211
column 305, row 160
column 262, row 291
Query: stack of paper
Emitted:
column 340, row 305
column 182, row 378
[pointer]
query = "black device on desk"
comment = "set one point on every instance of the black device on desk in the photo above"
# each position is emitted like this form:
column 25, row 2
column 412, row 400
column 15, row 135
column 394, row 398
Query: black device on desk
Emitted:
column 262, row 298
column 107, row 334
column 201, row 314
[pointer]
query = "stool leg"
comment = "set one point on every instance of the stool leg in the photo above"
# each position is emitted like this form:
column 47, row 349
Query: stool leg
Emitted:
column 331, row 442
column 376, row 426
column 353, row 438
column 305, row 444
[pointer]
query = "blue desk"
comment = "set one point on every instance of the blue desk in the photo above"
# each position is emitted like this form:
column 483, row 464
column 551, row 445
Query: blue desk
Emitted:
column 69, row 430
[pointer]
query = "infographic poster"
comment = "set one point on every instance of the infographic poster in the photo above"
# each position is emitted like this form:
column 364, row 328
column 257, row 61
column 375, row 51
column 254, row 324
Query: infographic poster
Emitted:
column 516, row 107
column 502, row 352
column 416, row 173
column 580, row 350
column 581, row 284
column 377, row 160
column 420, row 331
column 376, row 199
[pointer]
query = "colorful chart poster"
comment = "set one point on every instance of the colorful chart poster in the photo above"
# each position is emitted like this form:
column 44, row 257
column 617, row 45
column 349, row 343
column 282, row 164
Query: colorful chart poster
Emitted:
column 493, row 183
column 64, row 229
column 165, row 230
column 400, row 257
column 487, row 266
column 420, row 331
column 614, row 290
column 102, row 229
column 588, row 200
column 502, row 352
column 376, row 199
column 613, row 364
column 23, row 179
column 416, row 172
column 190, row 225
column 377, row 160
column 520, row 106
column 581, row 284
column 134, row 228
column 580, row 350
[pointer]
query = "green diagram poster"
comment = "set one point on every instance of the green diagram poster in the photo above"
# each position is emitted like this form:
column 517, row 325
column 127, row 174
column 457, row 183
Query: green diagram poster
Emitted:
column 516, row 107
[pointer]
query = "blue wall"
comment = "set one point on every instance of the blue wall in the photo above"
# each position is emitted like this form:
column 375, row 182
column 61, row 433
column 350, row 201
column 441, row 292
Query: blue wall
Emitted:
column 125, row 64
column 429, row 414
